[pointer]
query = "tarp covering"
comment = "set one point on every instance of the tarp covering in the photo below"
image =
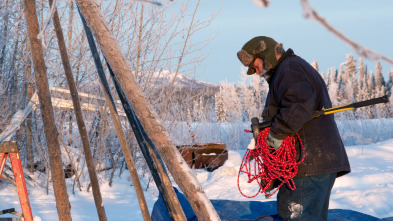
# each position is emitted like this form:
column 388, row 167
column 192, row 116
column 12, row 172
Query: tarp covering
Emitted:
column 250, row 210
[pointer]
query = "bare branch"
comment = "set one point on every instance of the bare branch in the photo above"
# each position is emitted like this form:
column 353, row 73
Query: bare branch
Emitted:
column 365, row 52
column 261, row 3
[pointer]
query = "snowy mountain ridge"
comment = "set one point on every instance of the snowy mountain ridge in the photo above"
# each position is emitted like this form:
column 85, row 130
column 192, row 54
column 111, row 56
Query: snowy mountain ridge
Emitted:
column 162, row 78
column 165, row 78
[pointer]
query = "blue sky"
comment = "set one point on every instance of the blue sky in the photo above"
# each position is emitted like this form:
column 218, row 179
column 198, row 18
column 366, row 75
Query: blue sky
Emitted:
column 369, row 23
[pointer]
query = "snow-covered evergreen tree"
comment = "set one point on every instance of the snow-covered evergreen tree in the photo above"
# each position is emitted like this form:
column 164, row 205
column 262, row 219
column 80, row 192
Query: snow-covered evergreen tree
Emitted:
column 389, row 82
column 333, row 90
column 371, row 85
column 314, row 64
column 371, row 111
column 195, row 111
column 350, row 68
column 189, row 116
column 350, row 87
column 199, row 112
column 232, row 102
column 247, row 95
column 350, row 71
column 327, row 79
column 381, row 109
column 379, row 79
column 361, row 81
column 219, row 107
column 340, row 79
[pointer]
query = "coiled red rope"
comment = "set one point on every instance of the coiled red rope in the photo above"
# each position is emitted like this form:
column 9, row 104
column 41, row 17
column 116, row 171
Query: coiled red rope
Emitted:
column 270, row 165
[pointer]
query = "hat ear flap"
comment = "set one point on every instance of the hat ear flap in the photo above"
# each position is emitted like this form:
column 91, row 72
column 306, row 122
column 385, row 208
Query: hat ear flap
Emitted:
column 245, row 57
column 261, row 47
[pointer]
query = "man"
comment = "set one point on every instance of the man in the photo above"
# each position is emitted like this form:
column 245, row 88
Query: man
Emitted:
column 296, row 90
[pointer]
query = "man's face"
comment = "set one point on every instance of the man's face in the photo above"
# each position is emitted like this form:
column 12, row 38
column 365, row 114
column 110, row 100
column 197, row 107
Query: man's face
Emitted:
column 260, row 68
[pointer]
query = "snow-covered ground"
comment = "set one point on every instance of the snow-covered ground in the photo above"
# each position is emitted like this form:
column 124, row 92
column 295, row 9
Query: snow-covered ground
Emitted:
column 367, row 189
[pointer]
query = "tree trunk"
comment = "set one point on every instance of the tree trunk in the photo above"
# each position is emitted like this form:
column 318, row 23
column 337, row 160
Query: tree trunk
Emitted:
column 59, row 185
column 29, row 136
column 79, row 118
column 70, row 130
column 175, row 163
column 5, row 31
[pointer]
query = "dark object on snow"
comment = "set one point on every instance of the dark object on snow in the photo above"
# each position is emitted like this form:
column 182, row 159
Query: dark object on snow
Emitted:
column 188, row 151
column 13, row 212
column 210, row 158
column 39, row 166
column 69, row 171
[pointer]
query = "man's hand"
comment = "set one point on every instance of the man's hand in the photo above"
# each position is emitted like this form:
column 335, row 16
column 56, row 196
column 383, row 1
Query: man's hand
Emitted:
column 273, row 142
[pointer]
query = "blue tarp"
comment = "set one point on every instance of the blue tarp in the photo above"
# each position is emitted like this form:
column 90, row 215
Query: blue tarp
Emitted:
column 249, row 210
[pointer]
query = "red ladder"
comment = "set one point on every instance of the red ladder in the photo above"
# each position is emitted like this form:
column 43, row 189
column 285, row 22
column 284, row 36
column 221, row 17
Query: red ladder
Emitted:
column 10, row 148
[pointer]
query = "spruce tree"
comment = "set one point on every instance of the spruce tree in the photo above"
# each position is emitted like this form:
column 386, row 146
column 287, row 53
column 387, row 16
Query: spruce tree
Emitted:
column 361, row 81
column 389, row 82
column 350, row 68
column 314, row 64
column 379, row 79
column 219, row 107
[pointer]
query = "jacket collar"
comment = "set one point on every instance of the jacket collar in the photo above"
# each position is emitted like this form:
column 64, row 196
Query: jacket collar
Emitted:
column 287, row 54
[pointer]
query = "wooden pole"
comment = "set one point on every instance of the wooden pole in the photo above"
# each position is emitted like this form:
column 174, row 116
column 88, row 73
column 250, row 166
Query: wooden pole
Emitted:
column 130, row 162
column 60, row 189
column 79, row 118
column 182, row 174
column 29, row 135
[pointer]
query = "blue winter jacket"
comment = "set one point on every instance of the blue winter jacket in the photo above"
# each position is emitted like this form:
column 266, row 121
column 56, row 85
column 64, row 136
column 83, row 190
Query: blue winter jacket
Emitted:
column 296, row 90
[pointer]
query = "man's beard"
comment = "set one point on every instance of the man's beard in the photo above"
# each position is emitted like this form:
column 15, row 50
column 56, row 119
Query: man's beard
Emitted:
column 266, row 68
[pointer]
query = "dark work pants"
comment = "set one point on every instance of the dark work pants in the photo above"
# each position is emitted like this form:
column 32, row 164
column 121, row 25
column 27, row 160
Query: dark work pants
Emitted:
column 310, row 199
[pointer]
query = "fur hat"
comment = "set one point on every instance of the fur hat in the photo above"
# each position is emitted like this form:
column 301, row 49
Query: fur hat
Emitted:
column 259, row 47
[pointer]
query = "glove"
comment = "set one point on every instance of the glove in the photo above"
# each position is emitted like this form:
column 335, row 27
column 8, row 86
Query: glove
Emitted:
column 251, row 145
column 273, row 142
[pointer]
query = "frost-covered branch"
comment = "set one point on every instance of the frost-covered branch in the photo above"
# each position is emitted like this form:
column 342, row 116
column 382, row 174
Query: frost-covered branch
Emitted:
column 17, row 120
column 310, row 13
column 261, row 3
column 41, row 35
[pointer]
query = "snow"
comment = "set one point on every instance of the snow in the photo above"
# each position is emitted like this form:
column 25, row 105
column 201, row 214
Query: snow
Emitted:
column 367, row 189
column 296, row 210
column 208, row 154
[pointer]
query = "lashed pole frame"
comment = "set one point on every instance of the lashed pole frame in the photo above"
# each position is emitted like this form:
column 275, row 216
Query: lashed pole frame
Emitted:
column 79, row 118
column 147, row 147
column 182, row 174
column 59, row 186
column 116, row 120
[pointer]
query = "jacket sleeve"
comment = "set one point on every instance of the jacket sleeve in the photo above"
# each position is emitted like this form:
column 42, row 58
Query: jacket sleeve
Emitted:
column 295, row 97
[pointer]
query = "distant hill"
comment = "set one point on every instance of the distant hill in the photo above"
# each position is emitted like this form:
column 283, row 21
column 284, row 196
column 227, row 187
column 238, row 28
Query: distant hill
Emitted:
column 161, row 79
column 164, row 78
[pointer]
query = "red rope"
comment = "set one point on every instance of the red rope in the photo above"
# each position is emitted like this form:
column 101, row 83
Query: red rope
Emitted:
column 270, row 165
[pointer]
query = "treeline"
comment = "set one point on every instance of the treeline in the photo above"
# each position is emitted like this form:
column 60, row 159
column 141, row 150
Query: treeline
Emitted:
column 352, row 82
